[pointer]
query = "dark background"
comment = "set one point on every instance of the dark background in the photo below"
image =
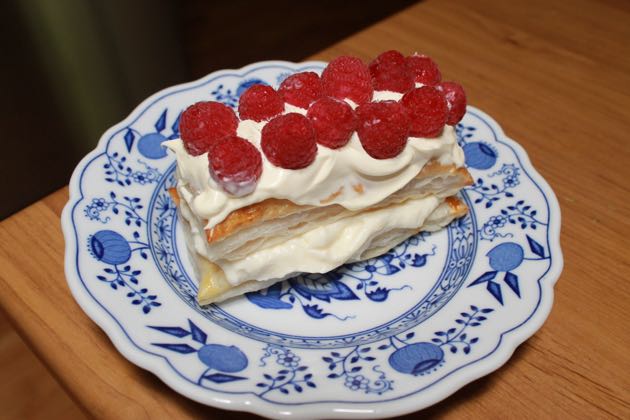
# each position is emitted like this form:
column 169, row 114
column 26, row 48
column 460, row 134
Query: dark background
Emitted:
column 72, row 68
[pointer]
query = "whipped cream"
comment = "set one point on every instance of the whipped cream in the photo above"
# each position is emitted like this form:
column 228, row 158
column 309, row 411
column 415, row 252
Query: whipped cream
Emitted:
column 347, row 176
column 327, row 247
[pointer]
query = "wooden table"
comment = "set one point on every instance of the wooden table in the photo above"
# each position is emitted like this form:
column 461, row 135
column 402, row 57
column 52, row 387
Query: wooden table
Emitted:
column 555, row 76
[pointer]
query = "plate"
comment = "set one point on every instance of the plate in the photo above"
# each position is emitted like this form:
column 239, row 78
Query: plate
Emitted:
column 377, row 338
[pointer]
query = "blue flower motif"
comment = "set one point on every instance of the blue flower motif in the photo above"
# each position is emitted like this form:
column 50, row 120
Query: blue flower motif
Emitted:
column 510, row 182
column 480, row 155
column 222, row 358
column 506, row 256
column 416, row 358
column 150, row 146
column 488, row 231
column 94, row 209
column 509, row 170
column 288, row 359
column 379, row 265
column 379, row 294
column 109, row 247
column 92, row 212
column 356, row 382
column 140, row 177
column 100, row 203
column 497, row 221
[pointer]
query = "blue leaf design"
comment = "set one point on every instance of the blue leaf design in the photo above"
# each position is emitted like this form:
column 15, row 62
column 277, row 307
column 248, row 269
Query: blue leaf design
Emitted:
column 161, row 122
column 512, row 281
column 197, row 334
column 536, row 247
column 129, row 138
column 419, row 260
column 314, row 311
column 495, row 290
column 380, row 294
column 485, row 277
column 179, row 348
column 275, row 290
column 176, row 331
column 268, row 300
column 387, row 258
column 220, row 378
column 333, row 275
column 391, row 269
column 175, row 126
column 322, row 288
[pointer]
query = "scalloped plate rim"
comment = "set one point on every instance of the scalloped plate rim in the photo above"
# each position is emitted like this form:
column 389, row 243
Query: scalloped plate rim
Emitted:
column 161, row 367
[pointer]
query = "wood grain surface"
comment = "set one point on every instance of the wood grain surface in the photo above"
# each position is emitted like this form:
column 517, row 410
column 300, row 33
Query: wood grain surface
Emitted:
column 555, row 75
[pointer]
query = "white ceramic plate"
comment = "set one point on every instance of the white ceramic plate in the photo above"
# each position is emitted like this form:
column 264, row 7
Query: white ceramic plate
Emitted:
column 377, row 338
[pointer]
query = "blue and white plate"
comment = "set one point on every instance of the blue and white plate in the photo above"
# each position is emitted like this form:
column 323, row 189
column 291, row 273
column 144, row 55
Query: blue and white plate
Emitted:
column 377, row 338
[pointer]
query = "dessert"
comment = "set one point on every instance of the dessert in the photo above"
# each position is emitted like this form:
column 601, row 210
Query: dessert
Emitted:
column 321, row 172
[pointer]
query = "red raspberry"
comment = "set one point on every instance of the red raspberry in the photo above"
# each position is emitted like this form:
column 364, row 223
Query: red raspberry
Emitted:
column 259, row 103
column 301, row 89
column 390, row 72
column 455, row 101
column 383, row 128
column 348, row 77
column 333, row 121
column 424, row 69
column 427, row 110
column 236, row 165
column 205, row 123
column 288, row 141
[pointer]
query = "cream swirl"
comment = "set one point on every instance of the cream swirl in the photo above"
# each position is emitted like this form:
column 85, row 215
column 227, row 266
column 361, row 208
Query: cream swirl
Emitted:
column 347, row 176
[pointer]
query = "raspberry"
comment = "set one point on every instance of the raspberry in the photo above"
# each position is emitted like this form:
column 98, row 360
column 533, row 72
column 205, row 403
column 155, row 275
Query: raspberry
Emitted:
column 390, row 72
column 236, row 165
column 288, row 141
column 427, row 110
column 424, row 69
column 301, row 89
column 333, row 121
column 455, row 101
column 205, row 123
column 259, row 103
column 383, row 128
column 347, row 77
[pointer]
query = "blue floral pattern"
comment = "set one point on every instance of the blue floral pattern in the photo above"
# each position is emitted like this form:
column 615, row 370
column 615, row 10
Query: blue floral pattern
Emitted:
column 373, row 333
column 291, row 377
column 425, row 357
column 113, row 249
column 307, row 288
column 409, row 358
column 493, row 192
column 505, row 257
column 315, row 293
column 520, row 214
column 221, row 361
column 350, row 366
